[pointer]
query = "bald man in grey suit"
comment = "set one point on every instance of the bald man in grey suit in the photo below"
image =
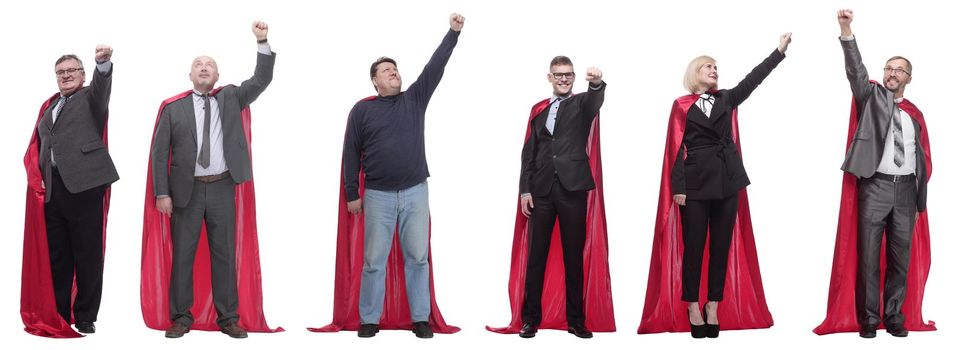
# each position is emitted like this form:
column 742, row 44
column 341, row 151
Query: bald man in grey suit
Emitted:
column 200, row 140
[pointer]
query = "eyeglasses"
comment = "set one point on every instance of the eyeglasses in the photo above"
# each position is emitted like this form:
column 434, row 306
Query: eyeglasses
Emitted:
column 567, row 75
column 895, row 71
column 68, row 71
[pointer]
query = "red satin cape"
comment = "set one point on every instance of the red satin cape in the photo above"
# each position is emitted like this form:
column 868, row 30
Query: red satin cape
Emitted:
column 349, row 249
column 744, row 306
column 841, row 307
column 158, row 256
column 37, row 303
column 599, row 311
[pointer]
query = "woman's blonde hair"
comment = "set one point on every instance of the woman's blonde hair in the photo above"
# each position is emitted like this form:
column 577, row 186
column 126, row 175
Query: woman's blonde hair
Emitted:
column 691, row 74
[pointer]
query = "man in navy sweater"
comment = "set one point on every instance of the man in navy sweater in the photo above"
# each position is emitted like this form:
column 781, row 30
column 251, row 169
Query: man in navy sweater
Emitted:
column 385, row 137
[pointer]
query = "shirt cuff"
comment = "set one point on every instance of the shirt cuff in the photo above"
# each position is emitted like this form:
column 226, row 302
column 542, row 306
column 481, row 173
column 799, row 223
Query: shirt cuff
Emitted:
column 847, row 38
column 264, row 49
column 104, row 67
column 162, row 196
column 526, row 195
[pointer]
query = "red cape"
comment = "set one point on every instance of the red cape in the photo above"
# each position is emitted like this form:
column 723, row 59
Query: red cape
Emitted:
column 599, row 313
column 37, row 303
column 743, row 306
column 349, row 248
column 841, row 307
column 158, row 256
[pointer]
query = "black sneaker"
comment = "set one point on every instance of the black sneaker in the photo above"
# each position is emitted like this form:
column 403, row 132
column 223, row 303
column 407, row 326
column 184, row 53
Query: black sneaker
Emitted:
column 368, row 330
column 422, row 329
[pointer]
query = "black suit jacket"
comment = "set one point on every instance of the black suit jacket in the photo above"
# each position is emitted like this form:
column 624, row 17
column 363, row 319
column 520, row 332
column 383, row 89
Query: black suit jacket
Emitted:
column 713, row 168
column 562, row 153
column 77, row 138
column 176, row 131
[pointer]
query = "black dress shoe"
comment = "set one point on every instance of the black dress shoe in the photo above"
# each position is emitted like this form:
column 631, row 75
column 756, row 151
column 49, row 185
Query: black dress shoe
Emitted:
column 580, row 331
column 422, row 329
column 711, row 330
column 528, row 331
column 868, row 331
column 368, row 330
column 85, row 327
column 698, row 331
column 896, row 330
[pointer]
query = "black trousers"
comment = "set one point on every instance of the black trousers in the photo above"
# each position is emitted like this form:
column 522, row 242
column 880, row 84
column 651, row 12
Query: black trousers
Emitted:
column 75, row 239
column 884, row 207
column 570, row 209
column 701, row 219
column 214, row 204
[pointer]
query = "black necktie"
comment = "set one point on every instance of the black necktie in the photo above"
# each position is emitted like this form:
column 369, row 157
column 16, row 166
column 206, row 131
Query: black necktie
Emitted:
column 204, row 151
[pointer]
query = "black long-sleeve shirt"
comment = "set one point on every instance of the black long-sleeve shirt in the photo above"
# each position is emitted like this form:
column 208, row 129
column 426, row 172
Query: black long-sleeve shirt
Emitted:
column 385, row 136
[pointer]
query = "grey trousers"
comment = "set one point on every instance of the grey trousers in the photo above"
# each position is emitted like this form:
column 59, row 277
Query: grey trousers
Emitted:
column 213, row 203
column 884, row 207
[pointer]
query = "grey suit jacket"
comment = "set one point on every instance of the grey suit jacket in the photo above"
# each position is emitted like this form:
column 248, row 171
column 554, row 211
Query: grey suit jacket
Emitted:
column 175, row 140
column 875, row 108
column 77, row 138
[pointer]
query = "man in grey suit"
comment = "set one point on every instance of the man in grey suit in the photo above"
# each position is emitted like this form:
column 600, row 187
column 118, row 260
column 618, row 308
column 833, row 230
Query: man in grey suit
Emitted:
column 200, row 140
column 887, row 157
column 77, row 169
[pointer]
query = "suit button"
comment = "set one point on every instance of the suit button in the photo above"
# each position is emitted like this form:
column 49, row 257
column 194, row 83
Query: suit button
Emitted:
column 553, row 157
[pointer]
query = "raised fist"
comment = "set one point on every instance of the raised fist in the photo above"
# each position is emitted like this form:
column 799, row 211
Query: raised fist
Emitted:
column 456, row 22
column 103, row 53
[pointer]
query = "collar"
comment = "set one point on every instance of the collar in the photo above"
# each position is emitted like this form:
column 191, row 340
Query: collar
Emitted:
column 556, row 97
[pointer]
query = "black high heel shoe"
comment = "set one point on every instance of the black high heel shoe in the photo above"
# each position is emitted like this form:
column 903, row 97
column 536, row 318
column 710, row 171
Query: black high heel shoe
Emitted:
column 697, row 331
column 711, row 330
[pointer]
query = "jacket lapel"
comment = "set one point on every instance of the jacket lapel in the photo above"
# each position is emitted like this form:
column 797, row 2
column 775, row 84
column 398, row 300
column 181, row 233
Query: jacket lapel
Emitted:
column 48, row 117
column 697, row 116
column 720, row 111
column 189, row 113
column 219, row 102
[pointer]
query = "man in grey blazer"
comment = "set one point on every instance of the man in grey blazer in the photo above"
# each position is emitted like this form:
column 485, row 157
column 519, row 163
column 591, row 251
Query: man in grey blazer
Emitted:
column 77, row 169
column 200, row 140
column 888, row 158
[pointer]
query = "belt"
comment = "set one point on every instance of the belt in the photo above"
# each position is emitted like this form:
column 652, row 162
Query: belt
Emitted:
column 894, row 178
column 212, row 178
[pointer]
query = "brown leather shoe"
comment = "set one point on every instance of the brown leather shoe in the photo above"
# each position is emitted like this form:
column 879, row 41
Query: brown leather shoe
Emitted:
column 177, row 330
column 233, row 330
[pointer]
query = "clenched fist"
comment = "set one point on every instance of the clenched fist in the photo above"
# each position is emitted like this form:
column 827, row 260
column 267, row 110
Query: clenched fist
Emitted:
column 103, row 53
column 845, row 16
column 260, row 29
column 593, row 76
column 785, row 41
column 456, row 22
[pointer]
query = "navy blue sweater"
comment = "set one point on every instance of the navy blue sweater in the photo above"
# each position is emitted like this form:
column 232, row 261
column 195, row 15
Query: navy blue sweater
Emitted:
column 385, row 136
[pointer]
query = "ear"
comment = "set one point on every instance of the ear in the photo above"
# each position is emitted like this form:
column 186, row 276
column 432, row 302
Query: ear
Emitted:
column 549, row 77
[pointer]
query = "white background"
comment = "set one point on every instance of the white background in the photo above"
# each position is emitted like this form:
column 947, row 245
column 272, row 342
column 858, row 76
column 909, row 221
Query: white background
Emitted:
column 793, row 130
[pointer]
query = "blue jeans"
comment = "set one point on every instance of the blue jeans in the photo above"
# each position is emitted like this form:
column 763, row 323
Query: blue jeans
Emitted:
column 383, row 209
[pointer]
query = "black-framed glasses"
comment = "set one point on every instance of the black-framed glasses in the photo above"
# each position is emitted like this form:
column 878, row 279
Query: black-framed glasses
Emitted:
column 68, row 71
column 895, row 71
column 560, row 75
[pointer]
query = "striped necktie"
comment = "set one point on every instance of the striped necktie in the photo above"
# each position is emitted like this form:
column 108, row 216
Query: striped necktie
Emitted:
column 898, row 137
